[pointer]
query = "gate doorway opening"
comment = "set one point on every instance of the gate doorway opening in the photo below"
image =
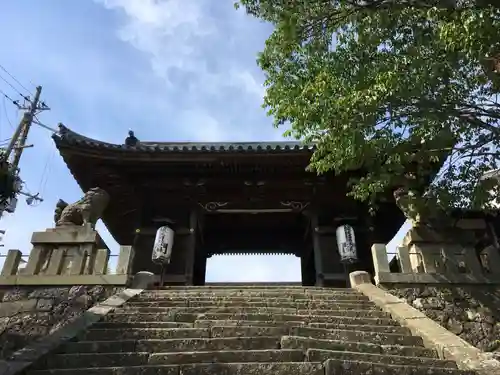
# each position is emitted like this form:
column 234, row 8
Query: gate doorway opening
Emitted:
column 253, row 269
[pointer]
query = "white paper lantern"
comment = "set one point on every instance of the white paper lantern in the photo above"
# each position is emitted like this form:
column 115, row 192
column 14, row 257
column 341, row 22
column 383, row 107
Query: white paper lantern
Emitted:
column 162, row 248
column 346, row 244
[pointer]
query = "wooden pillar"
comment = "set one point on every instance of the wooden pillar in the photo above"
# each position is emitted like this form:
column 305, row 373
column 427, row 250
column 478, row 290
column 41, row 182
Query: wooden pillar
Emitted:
column 306, row 267
column 318, row 256
column 191, row 247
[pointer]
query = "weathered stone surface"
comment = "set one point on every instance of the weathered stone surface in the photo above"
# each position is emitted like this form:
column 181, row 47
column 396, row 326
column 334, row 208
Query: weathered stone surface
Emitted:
column 137, row 370
column 28, row 314
column 113, row 325
column 346, row 367
column 340, row 318
column 248, row 331
column 472, row 313
column 8, row 309
column 321, row 355
column 83, row 360
column 297, row 368
column 174, row 345
column 220, row 304
column 357, row 336
column 255, row 296
column 144, row 333
column 297, row 342
column 15, row 294
column 228, row 356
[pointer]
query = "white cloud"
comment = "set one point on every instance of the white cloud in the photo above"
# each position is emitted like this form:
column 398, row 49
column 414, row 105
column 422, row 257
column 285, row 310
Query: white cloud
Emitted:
column 179, row 35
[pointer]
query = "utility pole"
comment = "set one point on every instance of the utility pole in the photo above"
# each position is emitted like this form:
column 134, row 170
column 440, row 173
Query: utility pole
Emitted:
column 18, row 142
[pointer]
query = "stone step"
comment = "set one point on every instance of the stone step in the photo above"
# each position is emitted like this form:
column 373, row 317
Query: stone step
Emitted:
column 305, row 343
column 261, row 310
column 249, row 331
column 255, row 295
column 173, row 345
column 203, row 300
column 339, row 317
column 143, row 333
column 288, row 324
column 321, row 355
column 227, row 323
column 320, row 305
column 74, row 361
column 354, row 336
column 255, row 288
column 236, row 285
column 122, row 317
column 337, row 366
column 127, row 325
column 275, row 368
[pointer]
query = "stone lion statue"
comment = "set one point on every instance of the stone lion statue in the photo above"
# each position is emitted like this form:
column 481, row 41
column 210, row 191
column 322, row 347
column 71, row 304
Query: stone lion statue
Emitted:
column 86, row 210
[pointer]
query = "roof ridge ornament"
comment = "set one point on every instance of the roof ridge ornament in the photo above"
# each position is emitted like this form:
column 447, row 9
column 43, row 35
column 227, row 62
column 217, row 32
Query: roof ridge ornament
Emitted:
column 131, row 140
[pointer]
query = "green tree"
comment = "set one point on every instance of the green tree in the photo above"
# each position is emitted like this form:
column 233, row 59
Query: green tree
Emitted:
column 384, row 85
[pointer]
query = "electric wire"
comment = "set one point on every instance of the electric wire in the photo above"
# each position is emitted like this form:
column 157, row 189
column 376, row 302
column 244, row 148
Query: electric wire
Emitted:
column 15, row 89
column 15, row 102
column 6, row 115
column 46, row 173
column 5, row 142
column 14, row 78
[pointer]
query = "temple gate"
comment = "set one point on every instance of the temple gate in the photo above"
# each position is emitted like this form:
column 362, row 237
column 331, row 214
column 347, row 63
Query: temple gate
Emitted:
column 238, row 198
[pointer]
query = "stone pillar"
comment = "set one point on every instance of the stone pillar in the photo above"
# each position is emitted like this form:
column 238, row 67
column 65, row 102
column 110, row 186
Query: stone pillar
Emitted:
column 491, row 260
column 11, row 264
column 125, row 259
column 380, row 261
column 36, row 259
column 404, row 259
column 101, row 262
column 56, row 261
column 358, row 278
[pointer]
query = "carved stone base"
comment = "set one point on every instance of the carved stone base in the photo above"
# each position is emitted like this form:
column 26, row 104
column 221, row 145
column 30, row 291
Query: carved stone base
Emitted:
column 66, row 250
column 69, row 234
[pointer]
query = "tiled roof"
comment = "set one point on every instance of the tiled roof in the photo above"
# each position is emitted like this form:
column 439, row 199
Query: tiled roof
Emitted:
column 69, row 137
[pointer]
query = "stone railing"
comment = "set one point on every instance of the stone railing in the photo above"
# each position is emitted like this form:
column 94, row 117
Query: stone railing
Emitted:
column 67, row 256
column 428, row 259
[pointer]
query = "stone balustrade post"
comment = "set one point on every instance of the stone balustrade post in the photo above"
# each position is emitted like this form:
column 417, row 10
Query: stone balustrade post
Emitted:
column 403, row 255
column 11, row 264
column 125, row 259
column 380, row 261
column 101, row 262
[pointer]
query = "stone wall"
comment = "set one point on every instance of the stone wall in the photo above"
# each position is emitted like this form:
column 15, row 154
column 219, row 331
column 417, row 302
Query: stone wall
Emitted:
column 30, row 313
column 471, row 312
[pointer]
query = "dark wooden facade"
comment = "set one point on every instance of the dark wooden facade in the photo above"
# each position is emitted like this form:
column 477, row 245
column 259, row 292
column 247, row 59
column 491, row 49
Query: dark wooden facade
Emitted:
column 226, row 198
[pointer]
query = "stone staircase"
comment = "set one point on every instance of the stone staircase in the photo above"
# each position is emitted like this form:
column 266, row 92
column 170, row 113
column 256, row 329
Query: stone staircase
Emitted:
column 247, row 330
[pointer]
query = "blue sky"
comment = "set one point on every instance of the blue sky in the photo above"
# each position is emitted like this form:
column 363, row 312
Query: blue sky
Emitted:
column 171, row 70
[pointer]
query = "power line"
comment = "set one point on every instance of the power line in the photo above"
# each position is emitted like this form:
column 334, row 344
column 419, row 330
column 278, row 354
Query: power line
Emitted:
column 15, row 102
column 14, row 78
column 6, row 114
column 15, row 89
